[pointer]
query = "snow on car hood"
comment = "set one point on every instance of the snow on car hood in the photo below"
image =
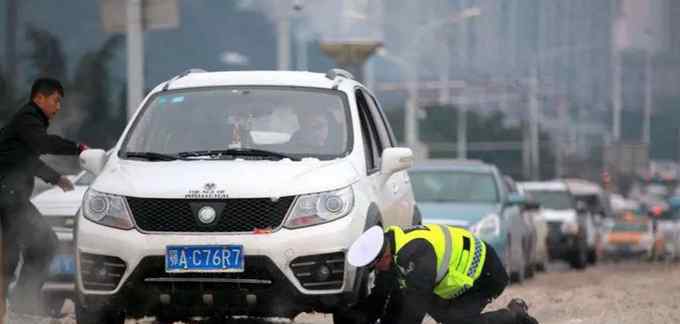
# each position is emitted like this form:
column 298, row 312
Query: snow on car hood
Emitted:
column 554, row 215
column 222, row 179
column 56, row 202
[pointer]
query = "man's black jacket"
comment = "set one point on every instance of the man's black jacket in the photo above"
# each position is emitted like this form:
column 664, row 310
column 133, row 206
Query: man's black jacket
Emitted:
column 22, row 141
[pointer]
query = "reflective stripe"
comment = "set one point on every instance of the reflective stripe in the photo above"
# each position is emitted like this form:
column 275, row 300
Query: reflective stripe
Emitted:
column 444, row 266
column 476, row 258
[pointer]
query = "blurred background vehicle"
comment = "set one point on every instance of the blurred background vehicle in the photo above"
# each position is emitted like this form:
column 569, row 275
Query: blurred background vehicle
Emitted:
column 667, row 222
column 530, row 237
column 597, row 208
column 60, row 208
column 567, row 227
column 628, row 235
column 535, row 214
column 473, row 195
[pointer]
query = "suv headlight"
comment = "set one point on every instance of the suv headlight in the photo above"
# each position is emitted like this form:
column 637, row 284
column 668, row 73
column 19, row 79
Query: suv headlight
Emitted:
column 488, row 226
column 106, row 209
column 323, row 207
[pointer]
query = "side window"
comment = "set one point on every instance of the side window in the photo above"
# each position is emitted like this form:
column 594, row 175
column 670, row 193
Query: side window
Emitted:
column 386, row 122
column 381, row 126
column 369, row 134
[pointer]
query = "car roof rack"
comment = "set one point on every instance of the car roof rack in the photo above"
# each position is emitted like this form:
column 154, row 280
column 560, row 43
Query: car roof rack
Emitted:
column 181, row 75
column 334, row 73
column 337, row 75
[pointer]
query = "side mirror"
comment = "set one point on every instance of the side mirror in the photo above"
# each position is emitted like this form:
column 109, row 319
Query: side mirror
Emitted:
column 581, row 207
column 516, row 199
column 93, row 160
column 395, row 159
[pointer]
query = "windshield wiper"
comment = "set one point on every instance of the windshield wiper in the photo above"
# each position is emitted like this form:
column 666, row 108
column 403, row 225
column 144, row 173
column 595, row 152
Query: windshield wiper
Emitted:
column 237, row 152
column 151, row 156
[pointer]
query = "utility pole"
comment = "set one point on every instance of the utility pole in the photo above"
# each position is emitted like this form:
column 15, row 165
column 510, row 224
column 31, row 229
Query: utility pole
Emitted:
column 462, row 128
column 11, row 43
column 135, row 56
column 411, row 116
column 534, row 121
column 647, row 118
column 283, row 36
column 617, row 35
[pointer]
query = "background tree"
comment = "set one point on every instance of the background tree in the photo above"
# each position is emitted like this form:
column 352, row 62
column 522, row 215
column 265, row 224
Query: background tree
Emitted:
column 46, row 55
column 101, row 117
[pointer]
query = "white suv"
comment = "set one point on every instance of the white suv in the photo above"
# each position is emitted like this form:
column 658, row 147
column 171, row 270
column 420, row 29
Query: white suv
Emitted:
column 238, row 193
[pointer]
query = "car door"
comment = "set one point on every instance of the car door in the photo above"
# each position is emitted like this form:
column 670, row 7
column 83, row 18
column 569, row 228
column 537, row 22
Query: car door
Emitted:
column 398, row 194
column 383, row 194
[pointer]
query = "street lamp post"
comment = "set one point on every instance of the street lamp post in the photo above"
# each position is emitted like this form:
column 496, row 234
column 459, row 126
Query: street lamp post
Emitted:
column 135, row 56
column 410, row 69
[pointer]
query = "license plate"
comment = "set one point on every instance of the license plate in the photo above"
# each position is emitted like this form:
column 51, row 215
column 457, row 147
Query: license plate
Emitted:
column 204, row 258
column 63, row 264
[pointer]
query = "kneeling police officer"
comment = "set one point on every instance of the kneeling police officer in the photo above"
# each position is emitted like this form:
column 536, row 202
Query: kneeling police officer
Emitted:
column 439, row 270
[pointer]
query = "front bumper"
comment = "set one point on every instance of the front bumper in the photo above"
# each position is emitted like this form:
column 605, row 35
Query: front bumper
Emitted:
column 280, row 276
column 624, row 250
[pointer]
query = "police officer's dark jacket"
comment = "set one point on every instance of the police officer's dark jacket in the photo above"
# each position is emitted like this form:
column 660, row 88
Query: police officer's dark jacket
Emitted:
column 23, row 139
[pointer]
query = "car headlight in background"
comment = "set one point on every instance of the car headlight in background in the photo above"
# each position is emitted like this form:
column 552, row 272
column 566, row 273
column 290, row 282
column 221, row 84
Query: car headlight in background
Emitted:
column 488, row 226
column 106, row 209
column 323, row 207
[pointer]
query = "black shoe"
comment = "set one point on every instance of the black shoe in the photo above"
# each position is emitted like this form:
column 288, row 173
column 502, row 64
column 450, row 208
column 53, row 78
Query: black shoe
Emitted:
column 520, row 308
column 518, row 305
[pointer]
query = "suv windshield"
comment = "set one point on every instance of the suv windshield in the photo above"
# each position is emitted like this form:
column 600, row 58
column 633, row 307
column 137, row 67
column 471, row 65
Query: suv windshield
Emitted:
column 553, row 199
column 454, row 186
column 238, row 121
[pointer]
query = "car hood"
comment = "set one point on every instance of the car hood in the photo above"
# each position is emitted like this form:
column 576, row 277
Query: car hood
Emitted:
column 554, row 215
column 455, row 213
column 222, row 179
column 56, row 202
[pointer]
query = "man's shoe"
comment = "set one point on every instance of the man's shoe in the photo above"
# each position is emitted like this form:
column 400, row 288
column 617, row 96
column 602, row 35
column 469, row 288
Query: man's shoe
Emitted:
column 518, row 305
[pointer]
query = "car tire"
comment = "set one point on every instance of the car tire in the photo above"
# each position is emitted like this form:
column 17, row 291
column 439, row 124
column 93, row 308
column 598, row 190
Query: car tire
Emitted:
column 85, row 316
column 592, row 256
column 349, row 318
column 579, row 258
column 53, row 305
column 541, row 266
column 520, row 275
column 417, row 216
column 355, row 317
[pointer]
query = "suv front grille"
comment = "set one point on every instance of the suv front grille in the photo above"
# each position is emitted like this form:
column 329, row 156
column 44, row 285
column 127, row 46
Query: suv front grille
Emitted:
column 180, row 215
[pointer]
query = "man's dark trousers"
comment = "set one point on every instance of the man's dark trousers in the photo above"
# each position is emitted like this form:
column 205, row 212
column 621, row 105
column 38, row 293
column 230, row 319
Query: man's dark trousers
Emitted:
column 25, row 232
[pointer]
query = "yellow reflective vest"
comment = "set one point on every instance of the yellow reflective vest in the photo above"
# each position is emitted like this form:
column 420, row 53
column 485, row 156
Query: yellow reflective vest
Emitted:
column 460, row 255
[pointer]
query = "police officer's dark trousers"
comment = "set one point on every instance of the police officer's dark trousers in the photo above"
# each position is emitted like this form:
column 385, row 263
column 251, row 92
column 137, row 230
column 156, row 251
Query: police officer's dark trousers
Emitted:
column 25, row 232
column 465, row 309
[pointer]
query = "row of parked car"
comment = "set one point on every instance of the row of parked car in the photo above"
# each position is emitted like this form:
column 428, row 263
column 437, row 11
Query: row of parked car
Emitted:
column 527, row 223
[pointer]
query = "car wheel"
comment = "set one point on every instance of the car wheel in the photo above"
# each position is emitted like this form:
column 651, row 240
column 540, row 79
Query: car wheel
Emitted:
column 85, row 316
column 541, row 266
column 592, row 256
column 417, row 216
column 520, row 275
column 579, row 259
column 53, row 305
column 355, row 317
